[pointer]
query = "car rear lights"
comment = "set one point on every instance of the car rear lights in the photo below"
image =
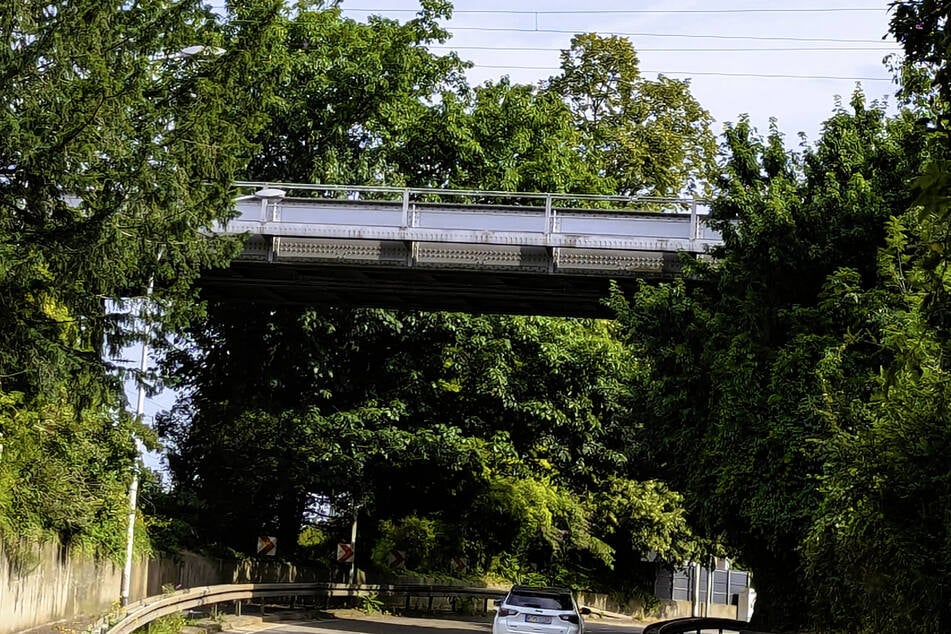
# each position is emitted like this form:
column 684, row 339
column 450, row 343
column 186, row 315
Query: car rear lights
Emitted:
column 571, row 618
column 507, row 612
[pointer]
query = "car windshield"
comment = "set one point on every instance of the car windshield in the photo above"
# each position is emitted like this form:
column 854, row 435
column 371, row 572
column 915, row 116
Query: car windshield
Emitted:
column 541, row 600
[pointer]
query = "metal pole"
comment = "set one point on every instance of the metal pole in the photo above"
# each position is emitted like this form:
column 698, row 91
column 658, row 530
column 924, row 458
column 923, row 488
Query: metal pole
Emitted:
column 710, row 573
column 353, row 544
column 134, row 485
column 695, row 607
column 694, row 221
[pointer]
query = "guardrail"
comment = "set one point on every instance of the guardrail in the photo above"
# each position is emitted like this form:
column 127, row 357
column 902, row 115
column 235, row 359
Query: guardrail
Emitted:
column 470, row 196
column 700, row 624
column 143, row 612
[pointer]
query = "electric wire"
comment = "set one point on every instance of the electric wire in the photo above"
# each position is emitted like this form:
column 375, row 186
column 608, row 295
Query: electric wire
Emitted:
column 630, row 11
column 640, row 49
column 702, row 73
column 680, row 35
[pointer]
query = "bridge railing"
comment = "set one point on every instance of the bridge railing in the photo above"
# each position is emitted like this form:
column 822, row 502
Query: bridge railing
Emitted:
column 383, row 193
column 408, row 215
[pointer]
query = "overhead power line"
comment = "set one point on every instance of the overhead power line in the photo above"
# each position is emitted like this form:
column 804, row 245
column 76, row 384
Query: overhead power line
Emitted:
column 703, row 73
column 681, row 35
column 811, row 49
column 880, row 9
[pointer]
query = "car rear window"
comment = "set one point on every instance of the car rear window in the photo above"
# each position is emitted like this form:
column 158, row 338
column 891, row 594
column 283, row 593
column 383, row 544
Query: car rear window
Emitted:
column 541, row 600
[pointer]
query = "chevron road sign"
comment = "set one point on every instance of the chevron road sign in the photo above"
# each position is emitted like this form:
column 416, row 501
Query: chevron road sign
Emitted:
column 344, row 553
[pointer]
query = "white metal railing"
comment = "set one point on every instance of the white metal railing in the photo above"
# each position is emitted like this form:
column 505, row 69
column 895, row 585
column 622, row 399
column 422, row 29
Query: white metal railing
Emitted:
column 466, row 193
column 472, row 216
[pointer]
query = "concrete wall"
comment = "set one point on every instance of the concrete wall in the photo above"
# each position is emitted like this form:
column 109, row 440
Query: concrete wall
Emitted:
column 668, row 609
column 675, row 609
column 43, row 584
column 608, row 603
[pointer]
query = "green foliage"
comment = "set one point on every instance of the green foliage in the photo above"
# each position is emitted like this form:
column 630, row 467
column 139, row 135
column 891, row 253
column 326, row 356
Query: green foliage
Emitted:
column 520, row 417
column 643, row 137
column 641, row 517
column 881, row 534
column 64, row 474
column 734, row 365
column 419, row 537
column 499, row 137
column 371, row 604
column 539, row 523
column 878, row 542
column 116, row 150
column 921, row 27
column 168, row 624
column 351, row 91
column 360, row 408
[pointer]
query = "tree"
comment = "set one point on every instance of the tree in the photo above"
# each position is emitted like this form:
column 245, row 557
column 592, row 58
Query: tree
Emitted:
column 498, row 137
column 120, row 133
column 882, row 530
column 731, row 359
column 350, row 92
column 921, row 26
column 363, row 406
column 880, row 537
column 358, row 409
column 644, row 137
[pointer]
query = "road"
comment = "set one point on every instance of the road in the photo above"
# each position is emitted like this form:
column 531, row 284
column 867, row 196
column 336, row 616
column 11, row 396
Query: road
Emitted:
column 407, row 625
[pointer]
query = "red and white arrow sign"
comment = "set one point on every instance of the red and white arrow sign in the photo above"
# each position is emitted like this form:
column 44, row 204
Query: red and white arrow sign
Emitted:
column 267, row 545
column 344, row 553
column 396, row 558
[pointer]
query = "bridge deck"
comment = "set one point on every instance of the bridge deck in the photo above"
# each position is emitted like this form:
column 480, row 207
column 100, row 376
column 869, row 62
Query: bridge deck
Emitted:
column 448, row 250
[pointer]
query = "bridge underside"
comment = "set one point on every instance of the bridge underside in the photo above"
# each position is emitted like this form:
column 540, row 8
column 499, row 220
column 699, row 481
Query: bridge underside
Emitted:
column 471, row 278
column 415, row 289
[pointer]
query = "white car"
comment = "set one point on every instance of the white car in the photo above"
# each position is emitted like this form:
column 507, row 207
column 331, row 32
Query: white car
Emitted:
column 528, row 610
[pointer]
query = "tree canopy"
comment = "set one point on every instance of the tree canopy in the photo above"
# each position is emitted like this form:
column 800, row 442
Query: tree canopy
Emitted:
column 358, row 409
column 774, row 364
column 120, row 133
column 786, row 400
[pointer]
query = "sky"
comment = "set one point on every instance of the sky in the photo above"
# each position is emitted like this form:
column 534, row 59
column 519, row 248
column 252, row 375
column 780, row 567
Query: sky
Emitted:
column 786, row 59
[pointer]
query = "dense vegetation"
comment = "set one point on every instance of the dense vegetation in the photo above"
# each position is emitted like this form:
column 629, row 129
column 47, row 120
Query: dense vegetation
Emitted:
column 787, row 405
column 115, row 148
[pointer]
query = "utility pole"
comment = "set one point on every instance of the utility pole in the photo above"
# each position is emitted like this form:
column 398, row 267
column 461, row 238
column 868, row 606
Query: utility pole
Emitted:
column 134, row 485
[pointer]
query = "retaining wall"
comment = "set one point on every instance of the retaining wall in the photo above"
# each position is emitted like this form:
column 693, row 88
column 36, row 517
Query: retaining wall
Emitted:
column 43, row 584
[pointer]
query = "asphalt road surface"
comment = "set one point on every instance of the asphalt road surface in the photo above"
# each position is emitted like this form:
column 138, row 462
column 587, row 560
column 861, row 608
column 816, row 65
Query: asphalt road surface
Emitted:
column 408, row 625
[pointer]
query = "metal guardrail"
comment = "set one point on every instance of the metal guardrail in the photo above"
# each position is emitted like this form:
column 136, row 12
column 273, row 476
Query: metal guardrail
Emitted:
column 389, row 192
column 690, row 624
column 143, row 612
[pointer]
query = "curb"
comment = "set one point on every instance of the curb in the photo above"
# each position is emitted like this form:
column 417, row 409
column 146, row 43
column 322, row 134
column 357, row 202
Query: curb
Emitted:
column 609, row 615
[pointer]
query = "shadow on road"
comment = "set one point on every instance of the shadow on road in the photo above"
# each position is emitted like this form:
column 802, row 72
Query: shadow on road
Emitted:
column 400, row 624
column 419, row 625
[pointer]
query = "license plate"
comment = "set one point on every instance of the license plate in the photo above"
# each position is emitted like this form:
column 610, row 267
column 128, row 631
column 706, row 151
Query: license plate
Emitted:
column 536, row 618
